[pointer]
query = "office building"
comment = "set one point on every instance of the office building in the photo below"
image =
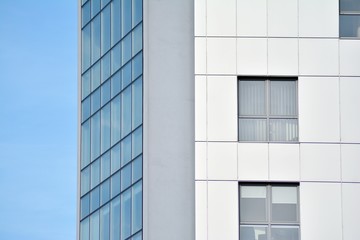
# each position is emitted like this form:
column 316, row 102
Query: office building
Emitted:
column 211, row 120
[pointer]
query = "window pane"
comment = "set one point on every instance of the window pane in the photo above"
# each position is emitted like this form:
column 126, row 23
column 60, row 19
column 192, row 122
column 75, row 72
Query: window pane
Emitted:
column 115, row 120
column 126, row 16
column 126, row 150
column 284, row 204
column 137, row 236
column 126, row 75
column 136, row 207
column 105, row 166
column 105, row 67
column 105, row 30
column 105, row 223
column 253, row 232
column 85, row 144
column 105, row 192
column 136, row 40
column 115, row 158
column 95, row 136
column 115, row 84
column 136, row 11
column 126, row 214
column 94, row 199
column 95, row 76
column 95, row 101
column 115, row 22
column 252, row 98
column 86, row 109
column 137, row 142
column 95, row 173
column 94, row 226
column 283, row 98
column 84, row 229
column 85, row 180
column 283, row 130
column 95, row 39
column 137, row 103
column 137, row 169
column 349, row 5
column 126, row 48
column 105, row 93
column 284, row 232
column 115, row 219
column 85, row 205
column 125, row 177
column 116, row 58
column 126, row 112
column 85, row 84
column 253, row 204
column 85, row 14
column 105, row 128
column 85, row 57
column 104, row 2
column 137, row 66
column 252, row 130
column 115, row 184
column 350, row 26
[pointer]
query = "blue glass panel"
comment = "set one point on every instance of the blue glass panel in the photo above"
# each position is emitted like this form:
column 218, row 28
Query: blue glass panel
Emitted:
column 85, row 180
column 115, row 120
column 126, row 111
column 104, row 2
column 136, row 12
column 115, row 84
column 350, row 26
column 126, row 16
column 115, row 158
column 137, row 66
column 115, row 219
column 115, row 21
column 85, row 47
column 85, row 144
column 125, row 177
column 94, row 226
column 95, row 7
column 95, row 173
column 105, row 192
column 105, row 222
column 137, row 142
column 95, row 39
column 85, row 14
column 85, row 205
column 94, row 199
column 95, row 101
column 137, row 169
column 125, row 150
column 105, row 30
column 136, row 40
column 137, row 103
column 105, row 165
column 105, row 128
column 85, row 109
column 115, row 184
column 115, row 58
column 105, row 67
column 126, row 48
column 95, row 136
column 105, row 93
column 138, row 236
column 126, row 75
column 84, row 229
column 136, row 207
column 85, row 84
column 126, row 214
column 95, row 76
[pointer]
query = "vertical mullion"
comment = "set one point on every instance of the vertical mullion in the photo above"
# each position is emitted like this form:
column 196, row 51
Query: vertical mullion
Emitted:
column 268, row 202
column 267, row 99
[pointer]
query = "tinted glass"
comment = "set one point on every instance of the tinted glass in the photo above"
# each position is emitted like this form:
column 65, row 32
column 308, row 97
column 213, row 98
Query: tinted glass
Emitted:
column 85, row 47
column 284, row 130
column 137, row 40
column 283, row 98
column 95, row 76
column 94, row 226
column 95, row 173
column 137, row 142
column 115, row 184
column 115, row 219
column 284, row 204
column 85, row 14
column 136, row 207
column 253, row 233
column 105, row 192
column 84, row 229
column 136, row 11
column 85, row 205
column 252, row 129
column 116, row 58
column 115, row 84
column 349, row 5
column 253, row 204
column 94, row 199
column 115, row 158
column 137, row 169
column 126, row 16
column 105, row 93
column 137, row 66
column 105, row 223
column 95, row 136
column 350, row 26
column 86, row 84
column 85, row 143
column 95, row 7
column 126, row 75
column 252, row 97
column 95, row 39
column 125, row 150
column 105, row 30
column 85, row 180
column 95, row 101
column 126, row 214
column 126, row 112
column 115, row 120
column 105, row 128
column 105, row 67
column 126, row 48
column 105, row 166
column 137, row 103
column 284, row 232
column 125, row 177
column 115, row 21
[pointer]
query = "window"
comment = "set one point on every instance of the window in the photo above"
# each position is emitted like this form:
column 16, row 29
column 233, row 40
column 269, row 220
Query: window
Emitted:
column 350, row 18
column 269, row 212
column 268, row 109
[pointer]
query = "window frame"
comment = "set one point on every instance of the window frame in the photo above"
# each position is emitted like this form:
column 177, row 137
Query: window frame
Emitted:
column 354, row 13
column 269, row 223
column 268, row 116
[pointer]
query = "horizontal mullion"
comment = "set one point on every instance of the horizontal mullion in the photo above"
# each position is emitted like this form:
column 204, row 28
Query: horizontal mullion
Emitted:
column 350, row 13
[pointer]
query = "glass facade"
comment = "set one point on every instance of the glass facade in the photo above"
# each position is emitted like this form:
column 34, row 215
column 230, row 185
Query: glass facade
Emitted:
column 111, row 120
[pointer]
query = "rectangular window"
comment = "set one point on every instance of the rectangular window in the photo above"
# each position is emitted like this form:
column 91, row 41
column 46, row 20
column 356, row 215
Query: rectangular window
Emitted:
column 269, row 212
column 268, row 109
column 350, row 18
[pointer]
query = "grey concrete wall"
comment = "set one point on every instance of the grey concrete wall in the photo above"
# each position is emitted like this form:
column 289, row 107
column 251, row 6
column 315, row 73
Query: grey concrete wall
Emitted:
column 169, row 199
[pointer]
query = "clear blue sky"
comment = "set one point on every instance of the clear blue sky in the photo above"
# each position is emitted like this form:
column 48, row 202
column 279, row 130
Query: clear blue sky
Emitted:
column 38, row 114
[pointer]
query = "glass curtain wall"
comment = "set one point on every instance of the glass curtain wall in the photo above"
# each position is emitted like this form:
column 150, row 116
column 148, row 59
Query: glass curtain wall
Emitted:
column 111, row 120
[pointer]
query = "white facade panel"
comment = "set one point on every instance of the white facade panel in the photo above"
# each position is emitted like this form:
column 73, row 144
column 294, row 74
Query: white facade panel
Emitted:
column 284, row 162
column 319, row 109
column 201, row 210
column 222, row 108
column 318, row 57
column 252, row 56
column 200, row 55
column 349, row 109
column 200, row 108
column 223, row 210
column 221, row 18
column 200, row 18
column 350, row 159
column 351, row 211
column 221, row 55
column 200, row 160
column 318, row 18
column 320, row 162
column 283, row 56
column 320, row 211
column 283, row 18
column 222, row 161
column 251, row 18
column 349, row 58
column 253, row 161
